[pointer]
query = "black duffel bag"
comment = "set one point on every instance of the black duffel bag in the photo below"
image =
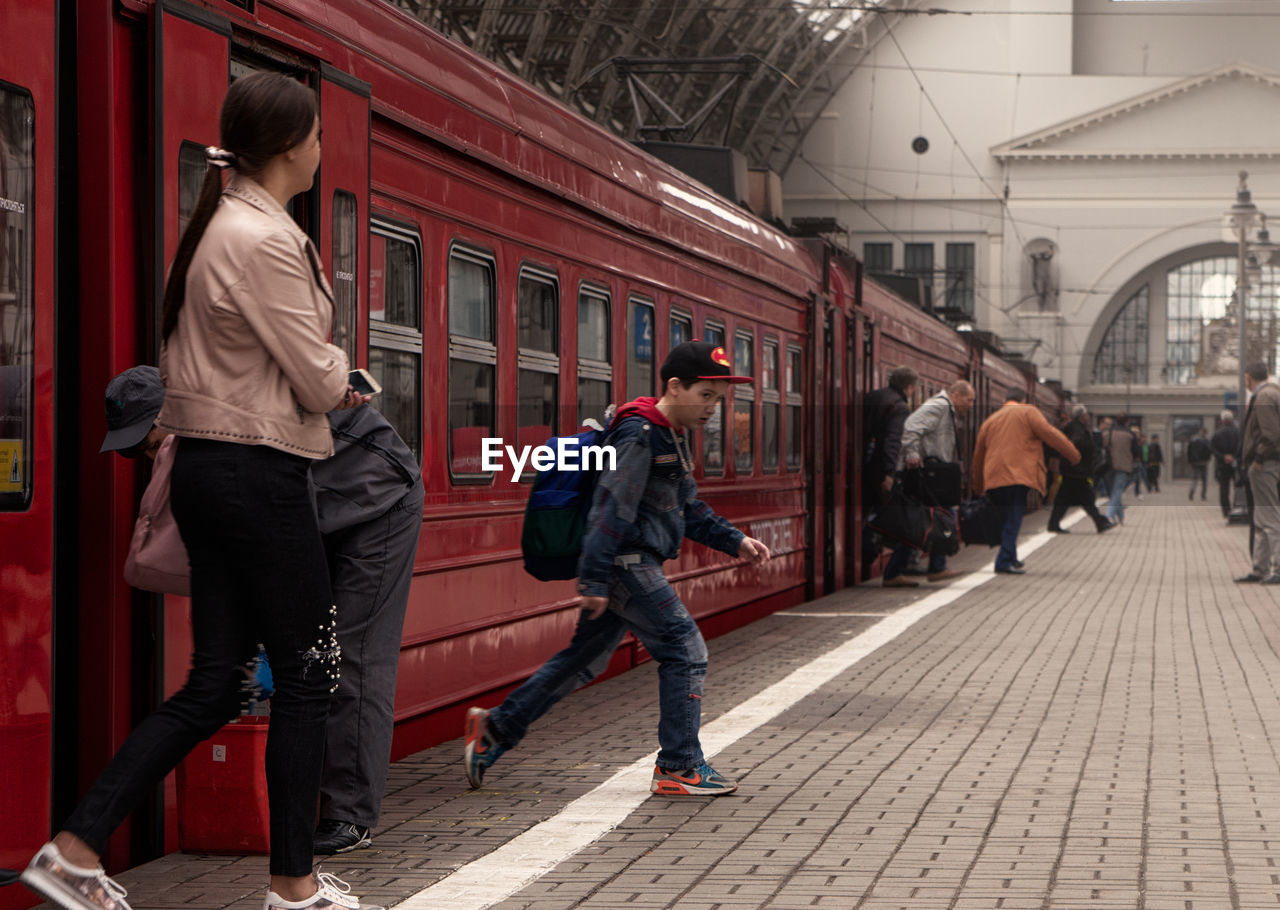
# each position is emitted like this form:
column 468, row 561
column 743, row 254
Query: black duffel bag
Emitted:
column 980, row 522
column 906, row 520
column 936, row 481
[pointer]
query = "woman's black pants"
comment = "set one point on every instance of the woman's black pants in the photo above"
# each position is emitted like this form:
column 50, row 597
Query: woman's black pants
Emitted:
column 258, row 574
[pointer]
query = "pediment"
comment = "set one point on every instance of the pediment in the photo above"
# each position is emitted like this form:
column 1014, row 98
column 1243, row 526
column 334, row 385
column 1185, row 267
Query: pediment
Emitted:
column 1229, row 112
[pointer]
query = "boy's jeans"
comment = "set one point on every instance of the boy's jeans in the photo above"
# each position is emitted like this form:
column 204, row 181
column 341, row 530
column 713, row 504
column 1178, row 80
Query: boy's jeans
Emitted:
column 642, row 602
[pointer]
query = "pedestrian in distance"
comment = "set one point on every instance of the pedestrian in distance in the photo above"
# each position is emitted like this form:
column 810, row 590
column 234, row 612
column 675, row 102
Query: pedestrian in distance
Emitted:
column 642, row 510
column 249, row 378
column 369, row 506
column 1101, row 458
column 1008, row 463
column 1140, row 463
column 885, row 413
column 1155, row 458
column 930, row 431
column 1077, row 479
column 1261, row 456
column 1119, row 442
column 1199, row 454
column 1226, row 456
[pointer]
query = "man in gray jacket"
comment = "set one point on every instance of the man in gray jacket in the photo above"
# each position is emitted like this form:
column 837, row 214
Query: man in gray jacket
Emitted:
column 930, row 430
column 1261, row 459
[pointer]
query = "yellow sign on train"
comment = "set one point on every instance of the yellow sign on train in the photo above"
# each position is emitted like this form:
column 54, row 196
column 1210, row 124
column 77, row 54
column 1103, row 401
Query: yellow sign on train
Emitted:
column 11, row 466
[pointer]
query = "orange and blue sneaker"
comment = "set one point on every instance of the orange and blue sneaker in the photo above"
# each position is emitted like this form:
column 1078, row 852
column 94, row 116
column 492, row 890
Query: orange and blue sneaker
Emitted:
column 703, row 780
column 481, row 749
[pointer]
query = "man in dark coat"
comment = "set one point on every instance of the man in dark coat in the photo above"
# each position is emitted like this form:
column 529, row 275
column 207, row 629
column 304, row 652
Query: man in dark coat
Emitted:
column 1155, row 458
column 1226, row 457
column 1077, row 479
column 884, row 414
column 1199, row 454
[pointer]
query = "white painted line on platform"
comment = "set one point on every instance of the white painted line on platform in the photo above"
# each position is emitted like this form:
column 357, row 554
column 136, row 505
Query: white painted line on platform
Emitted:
column 497, row 875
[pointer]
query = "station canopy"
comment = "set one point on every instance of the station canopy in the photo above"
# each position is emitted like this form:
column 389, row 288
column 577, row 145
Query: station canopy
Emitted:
column 750, row 74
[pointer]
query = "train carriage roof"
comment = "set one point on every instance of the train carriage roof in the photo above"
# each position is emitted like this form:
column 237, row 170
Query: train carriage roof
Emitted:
column 448, row 93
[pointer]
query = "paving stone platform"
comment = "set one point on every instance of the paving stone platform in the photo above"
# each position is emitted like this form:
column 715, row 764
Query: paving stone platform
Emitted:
column 1099, row 733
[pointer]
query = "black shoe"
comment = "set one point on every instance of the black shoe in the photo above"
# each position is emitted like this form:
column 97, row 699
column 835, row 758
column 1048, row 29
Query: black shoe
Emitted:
column 1251, row 578
column 1102, row 529
column 1012, row 570
column 1270, row 580
column 333, row 836
column 1060, row 530
column 1019, row 564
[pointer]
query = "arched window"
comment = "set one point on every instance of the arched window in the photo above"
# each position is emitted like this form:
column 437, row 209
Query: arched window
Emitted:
column 1122, row 356
column 1203, row 335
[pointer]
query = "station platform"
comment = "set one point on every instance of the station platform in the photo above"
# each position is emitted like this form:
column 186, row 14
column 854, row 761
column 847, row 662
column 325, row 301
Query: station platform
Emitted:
column 1099, row 733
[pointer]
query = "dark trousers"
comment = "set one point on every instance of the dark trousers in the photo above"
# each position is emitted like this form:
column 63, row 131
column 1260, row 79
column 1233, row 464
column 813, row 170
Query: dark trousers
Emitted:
column 371, row 567
column 1225, row 474
column 1012, row 503
column 258, row 574
column 1199, row 474
column 1153, row 477
column 1075, row 491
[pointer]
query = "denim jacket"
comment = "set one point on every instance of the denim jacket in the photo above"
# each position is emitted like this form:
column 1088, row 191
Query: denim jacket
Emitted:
column 648, row 503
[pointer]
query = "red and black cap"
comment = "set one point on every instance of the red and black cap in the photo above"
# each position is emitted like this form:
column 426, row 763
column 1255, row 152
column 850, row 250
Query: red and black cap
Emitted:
column 699, row 360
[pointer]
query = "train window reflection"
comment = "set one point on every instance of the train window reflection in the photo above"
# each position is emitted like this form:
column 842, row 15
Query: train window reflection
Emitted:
column 713, row 431
column 681, row 328
column 538, row 316
column 770, row 405
column 795, row 424
column 473, row 358
column 639, row 348
column 744, row 457
column 395, row 315
column 17, row 266
column 595, row 372
column 192, row 166
column 343, row 279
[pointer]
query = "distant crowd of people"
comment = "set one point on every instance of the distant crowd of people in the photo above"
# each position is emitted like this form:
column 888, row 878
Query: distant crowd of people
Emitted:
column 1018, row 451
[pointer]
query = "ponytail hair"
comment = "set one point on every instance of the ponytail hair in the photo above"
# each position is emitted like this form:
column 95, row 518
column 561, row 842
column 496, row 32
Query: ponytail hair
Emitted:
column 263, row 115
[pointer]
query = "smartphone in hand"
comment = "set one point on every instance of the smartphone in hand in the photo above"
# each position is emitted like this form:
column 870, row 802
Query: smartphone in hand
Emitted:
column 363, row 382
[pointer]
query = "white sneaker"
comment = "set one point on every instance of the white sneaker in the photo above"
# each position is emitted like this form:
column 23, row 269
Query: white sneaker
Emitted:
column 332, row 893
column 72, row 887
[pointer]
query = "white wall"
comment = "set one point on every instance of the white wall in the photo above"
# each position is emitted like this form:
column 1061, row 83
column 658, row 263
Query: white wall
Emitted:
column 996, row 77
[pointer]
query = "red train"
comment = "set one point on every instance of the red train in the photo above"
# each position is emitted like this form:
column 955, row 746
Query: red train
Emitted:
column 503, row 266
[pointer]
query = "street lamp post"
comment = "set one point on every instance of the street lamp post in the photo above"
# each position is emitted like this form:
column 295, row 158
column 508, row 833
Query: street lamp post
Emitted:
column 1238, row 221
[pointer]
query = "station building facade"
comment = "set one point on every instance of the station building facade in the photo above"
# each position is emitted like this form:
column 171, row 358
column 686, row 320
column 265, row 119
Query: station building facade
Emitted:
column 1057, row 174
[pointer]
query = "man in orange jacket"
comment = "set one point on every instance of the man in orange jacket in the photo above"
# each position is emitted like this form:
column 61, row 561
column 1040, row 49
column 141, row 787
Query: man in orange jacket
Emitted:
column 1008, row 462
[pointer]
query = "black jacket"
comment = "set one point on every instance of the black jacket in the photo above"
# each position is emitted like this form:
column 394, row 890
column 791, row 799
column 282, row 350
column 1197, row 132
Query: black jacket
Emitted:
column 1155, row 454
column 885, row 412
column 1082, row 439
column 1226, row 441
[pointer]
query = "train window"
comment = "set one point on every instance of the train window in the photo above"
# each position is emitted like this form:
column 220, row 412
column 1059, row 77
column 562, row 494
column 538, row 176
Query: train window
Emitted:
column 795, row 409
column 681, row 327
column 595, row 371
column 17, row 267
column 770, row 405
column 192, row 166
column 538, row 296
column 744, row 456
column 344, row 272
column 639, row 348
column 395, row 336
column 713, row 431
column 473, row 360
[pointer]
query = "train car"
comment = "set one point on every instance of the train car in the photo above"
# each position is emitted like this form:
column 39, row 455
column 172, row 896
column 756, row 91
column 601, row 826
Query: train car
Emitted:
column 28, row 402
column 503, row 266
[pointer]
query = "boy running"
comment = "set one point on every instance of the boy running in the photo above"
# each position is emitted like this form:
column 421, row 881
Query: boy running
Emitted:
column 641, row 512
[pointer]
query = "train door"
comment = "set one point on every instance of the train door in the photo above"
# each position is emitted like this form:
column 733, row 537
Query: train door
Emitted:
column 859, row 365
column 191, row 69
column 28, row 35
column 830, row 446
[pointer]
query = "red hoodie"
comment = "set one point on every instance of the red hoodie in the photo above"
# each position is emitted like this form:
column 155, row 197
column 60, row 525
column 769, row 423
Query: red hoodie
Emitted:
column 646, row 408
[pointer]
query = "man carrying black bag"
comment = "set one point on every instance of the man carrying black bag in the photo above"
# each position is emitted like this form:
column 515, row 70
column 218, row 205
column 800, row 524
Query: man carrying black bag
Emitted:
column 1077, row 481
column 930, row 432
column 884, row 415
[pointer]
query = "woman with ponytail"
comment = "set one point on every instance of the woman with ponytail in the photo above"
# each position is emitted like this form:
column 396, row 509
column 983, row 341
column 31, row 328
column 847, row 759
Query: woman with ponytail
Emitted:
column 249, row 377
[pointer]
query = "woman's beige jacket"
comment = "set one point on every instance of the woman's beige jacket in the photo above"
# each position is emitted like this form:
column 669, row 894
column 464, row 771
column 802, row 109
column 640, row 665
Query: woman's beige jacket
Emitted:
column 248, row 361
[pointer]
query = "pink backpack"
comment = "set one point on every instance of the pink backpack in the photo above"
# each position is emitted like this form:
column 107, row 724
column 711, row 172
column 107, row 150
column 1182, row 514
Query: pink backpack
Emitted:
column 157, row 557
